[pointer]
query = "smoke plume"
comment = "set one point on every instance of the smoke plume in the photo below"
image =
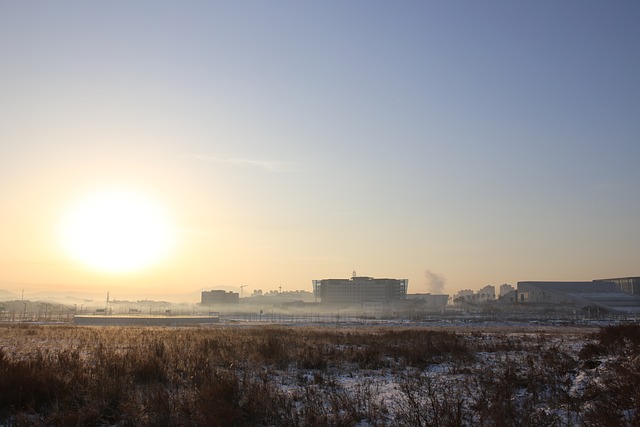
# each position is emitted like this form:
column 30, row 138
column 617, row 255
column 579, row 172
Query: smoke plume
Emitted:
column 435, row 282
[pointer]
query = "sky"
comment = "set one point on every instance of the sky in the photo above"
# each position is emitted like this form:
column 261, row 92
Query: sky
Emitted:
column 454, row 144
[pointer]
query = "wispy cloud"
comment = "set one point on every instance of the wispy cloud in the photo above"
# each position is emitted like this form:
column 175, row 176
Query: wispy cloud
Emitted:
column 267, row 165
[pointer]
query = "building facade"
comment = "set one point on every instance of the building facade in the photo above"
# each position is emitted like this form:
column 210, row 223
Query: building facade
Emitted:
column 359, row 290
column 219, row 297
column 603, row 295
column 463, row 296
column 505, row 289
column 488, row 293
column 630, row 285
column 428, row 303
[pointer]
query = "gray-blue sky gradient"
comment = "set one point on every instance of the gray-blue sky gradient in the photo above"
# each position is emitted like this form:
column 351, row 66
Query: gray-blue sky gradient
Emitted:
column 489, row 142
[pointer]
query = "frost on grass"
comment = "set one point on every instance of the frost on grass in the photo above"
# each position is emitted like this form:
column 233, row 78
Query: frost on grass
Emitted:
column 307, row 376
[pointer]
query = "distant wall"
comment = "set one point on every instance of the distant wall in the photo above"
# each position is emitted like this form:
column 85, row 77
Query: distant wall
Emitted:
column 142, row 320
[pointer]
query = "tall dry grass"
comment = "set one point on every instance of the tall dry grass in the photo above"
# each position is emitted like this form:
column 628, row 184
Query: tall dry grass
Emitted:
column 311, row 376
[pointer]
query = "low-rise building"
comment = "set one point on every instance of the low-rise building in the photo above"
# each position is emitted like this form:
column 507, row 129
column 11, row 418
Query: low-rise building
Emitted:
column 630, row 285
column 219, row 297
column 599, row 294
column 505, row 289
column 431, row 302
column 488, row 293
column 463, row 296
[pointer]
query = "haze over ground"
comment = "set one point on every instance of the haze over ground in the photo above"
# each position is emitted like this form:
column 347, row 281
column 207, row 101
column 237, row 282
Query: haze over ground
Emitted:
column 472, row 142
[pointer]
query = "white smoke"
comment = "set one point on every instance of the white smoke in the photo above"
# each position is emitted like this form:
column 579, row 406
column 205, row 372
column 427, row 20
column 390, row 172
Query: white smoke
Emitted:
column 435, row 282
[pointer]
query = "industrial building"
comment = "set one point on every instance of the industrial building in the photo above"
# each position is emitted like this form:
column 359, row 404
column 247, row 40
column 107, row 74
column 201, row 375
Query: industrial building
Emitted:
column 219, row 297
column 603, row 295
column 423, row 303
column 630, row 285
column 359, row 290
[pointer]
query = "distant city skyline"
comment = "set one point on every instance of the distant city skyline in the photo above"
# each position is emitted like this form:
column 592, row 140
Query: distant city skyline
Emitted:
column 452, row 144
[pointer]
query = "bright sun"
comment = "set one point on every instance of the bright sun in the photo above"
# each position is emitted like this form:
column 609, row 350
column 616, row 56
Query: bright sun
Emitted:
column 117, row 231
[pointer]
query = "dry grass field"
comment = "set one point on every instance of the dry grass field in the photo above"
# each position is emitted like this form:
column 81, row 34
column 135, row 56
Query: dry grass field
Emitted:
column 243, row 375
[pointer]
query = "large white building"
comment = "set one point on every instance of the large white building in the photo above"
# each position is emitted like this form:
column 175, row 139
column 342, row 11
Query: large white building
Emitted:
column 359, row 290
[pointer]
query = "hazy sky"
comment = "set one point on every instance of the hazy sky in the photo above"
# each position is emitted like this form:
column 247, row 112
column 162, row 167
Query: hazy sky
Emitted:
column 480, row 142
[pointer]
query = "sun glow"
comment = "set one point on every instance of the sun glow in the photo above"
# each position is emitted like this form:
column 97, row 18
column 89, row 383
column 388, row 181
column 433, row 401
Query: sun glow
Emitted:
column 116, row 231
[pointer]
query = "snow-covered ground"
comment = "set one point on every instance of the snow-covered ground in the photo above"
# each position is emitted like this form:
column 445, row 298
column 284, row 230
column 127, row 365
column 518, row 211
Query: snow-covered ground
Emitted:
column 326, row 374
